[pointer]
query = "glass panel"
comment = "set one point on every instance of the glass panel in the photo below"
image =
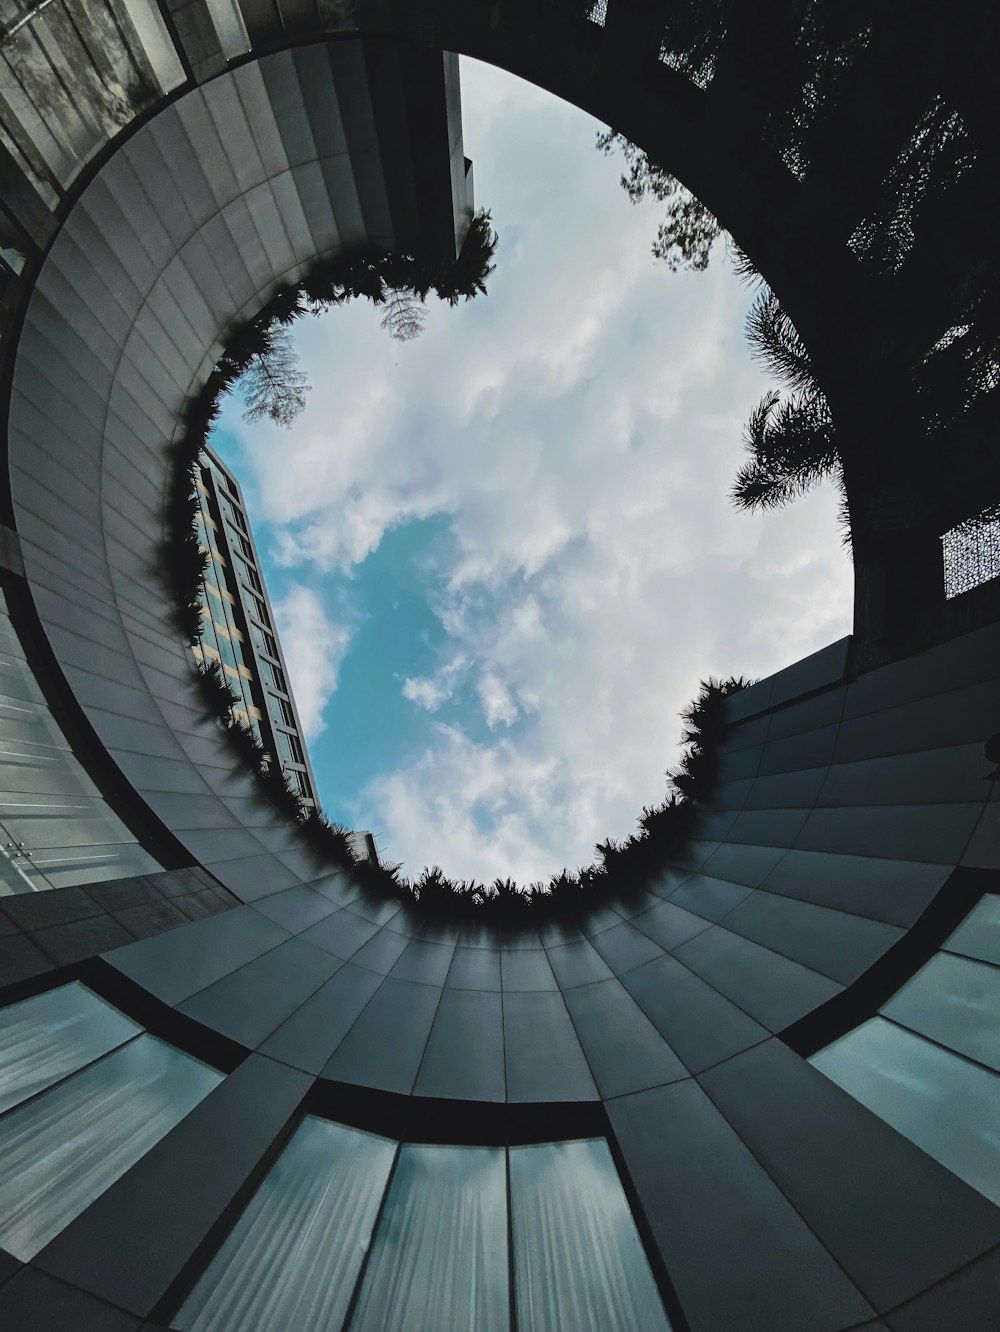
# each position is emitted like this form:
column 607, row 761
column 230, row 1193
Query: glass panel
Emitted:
column 579, row 1264
column 938, row 1100
column 72, row 75
column 293, row 1258
column 229, row 27
column 955, row 1002
column 440, row 1254
column 64, row 1149
column 48, row 1037
column 156, row 44
column 281, row 711
column 979, row 933
column 55, row 828
column 273, row 675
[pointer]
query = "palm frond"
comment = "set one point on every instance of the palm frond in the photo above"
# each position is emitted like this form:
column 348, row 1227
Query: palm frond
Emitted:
column 792, row 447
column 743, row 265
column 775, row 342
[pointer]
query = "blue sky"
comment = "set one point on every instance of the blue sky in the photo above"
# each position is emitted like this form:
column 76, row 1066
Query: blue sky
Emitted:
column 503, row 555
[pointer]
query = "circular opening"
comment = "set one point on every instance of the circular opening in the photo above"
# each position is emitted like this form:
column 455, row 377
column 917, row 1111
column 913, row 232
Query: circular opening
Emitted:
column 502, row 554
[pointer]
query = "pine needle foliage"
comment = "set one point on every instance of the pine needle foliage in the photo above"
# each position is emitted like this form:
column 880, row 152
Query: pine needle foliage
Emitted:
column 260, row 354
column 405, row 315
column 185, row 556
column 815, row 57
column 273, row 385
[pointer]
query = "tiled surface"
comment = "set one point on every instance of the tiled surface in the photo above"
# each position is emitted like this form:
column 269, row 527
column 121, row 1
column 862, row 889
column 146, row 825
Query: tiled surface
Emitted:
column 39, row 931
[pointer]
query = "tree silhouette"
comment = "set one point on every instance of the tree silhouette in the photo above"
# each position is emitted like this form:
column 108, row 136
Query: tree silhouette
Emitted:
column 693, row 32
column 273, row 385
column 686, row 237
column 792, row 442
column 792, row 448
column 405, row 315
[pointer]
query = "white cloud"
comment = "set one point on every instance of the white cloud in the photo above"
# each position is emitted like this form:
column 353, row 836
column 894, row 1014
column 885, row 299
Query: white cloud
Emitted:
column 430, row 691
column 579, row 428
column 314, row 646
column 426, row 692
column 499, row 708
column 490, row 806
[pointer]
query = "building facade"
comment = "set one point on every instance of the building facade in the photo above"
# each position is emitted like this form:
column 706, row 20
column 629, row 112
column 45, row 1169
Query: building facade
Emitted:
column 238, row 629
column 238, row 1091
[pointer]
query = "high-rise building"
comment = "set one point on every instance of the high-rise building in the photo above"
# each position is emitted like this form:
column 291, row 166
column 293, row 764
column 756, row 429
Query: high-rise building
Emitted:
column 237, row 1091
column 238, row 629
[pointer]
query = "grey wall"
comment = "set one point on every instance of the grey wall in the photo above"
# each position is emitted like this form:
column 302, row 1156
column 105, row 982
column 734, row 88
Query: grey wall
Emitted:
column 198, row 219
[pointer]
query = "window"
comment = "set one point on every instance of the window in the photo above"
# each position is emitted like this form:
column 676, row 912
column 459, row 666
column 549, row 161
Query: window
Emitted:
column 282, row 711
column 44, row 1039
column 443, row 1233
column 293, row 1257
column 289, row 747
column 416, row 1236
column 578, row 1259
column 225, row 646
column 257, row 607
column 249, row 575
column 63, row 1147
column 233, row 513
column 263, row 641
column 929, row 1063
column 274, row 676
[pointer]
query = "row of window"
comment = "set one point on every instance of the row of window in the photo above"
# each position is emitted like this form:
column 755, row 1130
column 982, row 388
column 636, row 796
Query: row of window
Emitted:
column 222, row 640
column 428, row 1237
column 221, row 637
column 347, row 1229
column 262, row 640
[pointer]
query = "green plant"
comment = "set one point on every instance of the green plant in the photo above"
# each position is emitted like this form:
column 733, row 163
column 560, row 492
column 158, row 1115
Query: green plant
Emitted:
column 273, row 385
column 792, row 442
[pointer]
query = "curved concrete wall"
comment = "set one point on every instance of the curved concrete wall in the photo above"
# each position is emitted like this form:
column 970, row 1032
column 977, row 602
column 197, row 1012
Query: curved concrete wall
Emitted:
column 774, row 1199
column 224, row 196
